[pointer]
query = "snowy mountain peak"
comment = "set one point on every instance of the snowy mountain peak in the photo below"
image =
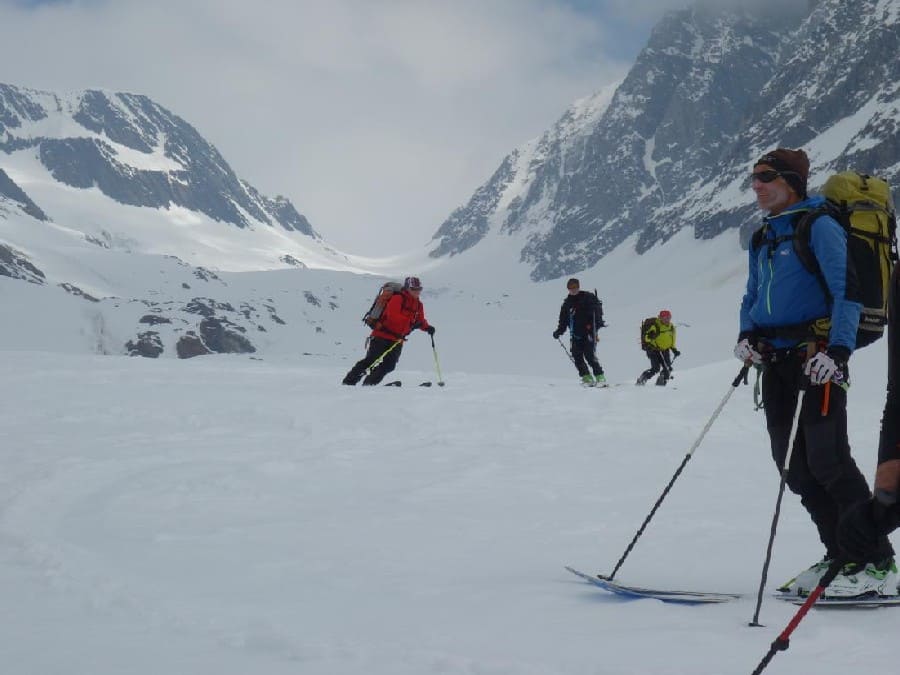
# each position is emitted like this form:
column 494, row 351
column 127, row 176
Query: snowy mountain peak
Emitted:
column 711, row 90
column 135, row 152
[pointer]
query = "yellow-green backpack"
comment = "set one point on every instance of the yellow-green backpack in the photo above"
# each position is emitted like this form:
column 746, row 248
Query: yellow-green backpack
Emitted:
column 863, row 206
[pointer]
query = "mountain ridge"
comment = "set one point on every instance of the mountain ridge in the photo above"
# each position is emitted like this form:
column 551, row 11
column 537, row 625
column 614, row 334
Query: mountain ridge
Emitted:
column 180, row 167
column 707, row 95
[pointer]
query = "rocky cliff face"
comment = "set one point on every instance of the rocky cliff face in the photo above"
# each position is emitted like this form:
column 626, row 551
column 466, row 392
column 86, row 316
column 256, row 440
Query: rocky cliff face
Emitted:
column 709, row 93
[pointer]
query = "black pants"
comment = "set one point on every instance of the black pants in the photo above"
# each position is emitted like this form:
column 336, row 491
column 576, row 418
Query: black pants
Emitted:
column 584, row 354
column 377, row 347
column 659, row 361
column 821, row 470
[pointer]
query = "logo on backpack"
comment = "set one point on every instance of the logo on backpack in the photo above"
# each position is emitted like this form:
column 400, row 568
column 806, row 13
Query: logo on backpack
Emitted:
column 863, row 206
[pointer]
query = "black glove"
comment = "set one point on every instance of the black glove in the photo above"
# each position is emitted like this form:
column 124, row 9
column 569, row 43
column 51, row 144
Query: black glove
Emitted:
column 862, row 527
column 556, row 334
column 676, row 352
column 841, row 356
column 430, row 330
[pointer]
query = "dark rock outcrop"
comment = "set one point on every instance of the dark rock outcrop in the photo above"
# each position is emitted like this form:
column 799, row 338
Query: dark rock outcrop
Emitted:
column 16, row 265
column 190, row 345
column 147, row 344
column 223, row 337
column 13, row 192
column 154, row 319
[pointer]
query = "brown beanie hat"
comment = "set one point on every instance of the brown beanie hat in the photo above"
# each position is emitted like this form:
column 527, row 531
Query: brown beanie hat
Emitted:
column 793, row 165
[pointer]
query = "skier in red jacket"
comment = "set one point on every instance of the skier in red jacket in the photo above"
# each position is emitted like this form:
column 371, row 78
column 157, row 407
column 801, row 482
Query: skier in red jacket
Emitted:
column 402, row 314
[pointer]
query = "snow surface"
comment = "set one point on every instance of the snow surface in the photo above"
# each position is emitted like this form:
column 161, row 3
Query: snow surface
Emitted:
column 231, row 515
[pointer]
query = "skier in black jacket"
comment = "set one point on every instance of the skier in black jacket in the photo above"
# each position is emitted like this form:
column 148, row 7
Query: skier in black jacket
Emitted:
column 582, row 314
column 861, row 528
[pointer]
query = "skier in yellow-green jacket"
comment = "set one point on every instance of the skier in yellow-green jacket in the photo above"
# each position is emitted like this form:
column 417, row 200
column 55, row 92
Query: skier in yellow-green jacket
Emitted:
column 658, row 342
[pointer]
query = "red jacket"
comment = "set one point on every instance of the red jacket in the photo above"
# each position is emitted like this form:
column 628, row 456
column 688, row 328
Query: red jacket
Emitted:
column 402, row 314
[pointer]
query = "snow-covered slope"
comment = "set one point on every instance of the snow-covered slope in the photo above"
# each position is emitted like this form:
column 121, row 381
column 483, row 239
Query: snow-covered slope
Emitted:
column 231, row 516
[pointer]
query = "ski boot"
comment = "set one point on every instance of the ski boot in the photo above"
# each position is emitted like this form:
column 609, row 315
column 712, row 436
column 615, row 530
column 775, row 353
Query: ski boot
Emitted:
column 807, row 580
column 857, row 580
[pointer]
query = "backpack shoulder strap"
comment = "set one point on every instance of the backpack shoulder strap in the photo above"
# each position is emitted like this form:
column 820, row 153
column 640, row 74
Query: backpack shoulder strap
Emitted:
column 802, row 234
column 758, row 237
column 761, row 238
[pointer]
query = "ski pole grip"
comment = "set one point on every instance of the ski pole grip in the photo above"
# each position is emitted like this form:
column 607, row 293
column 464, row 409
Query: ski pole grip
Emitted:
column 741, row 376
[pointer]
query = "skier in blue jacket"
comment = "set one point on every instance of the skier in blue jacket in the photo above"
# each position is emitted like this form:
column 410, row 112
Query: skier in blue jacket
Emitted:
column 803, row 339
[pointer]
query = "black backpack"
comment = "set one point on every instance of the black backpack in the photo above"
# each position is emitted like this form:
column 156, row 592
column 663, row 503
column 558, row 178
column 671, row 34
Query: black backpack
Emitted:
column 646, row 325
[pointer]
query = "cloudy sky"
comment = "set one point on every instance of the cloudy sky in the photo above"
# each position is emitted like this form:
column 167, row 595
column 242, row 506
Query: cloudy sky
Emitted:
column 375, row 117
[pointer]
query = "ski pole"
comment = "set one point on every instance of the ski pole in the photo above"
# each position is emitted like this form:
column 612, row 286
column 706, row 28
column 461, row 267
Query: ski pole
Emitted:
column 782, row 642
column 437, row 365
column 731, row 389
column 795, row 429
column 387, row 351
column 568, row 353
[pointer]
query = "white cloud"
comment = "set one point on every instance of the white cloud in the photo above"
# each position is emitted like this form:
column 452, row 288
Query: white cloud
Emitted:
column 376, row 117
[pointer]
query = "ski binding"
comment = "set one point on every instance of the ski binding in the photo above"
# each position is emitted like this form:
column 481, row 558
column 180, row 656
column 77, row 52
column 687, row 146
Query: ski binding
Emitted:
column 858, row 602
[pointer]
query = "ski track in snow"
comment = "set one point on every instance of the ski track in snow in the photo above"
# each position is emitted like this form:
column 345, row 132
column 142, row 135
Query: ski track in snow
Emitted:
column 235, row 516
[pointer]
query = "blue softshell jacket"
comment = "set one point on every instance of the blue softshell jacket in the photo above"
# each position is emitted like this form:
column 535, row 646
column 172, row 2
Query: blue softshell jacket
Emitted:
column 781, row 292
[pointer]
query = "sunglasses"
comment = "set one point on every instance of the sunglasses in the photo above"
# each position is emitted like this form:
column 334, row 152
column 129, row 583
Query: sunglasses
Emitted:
column 765, row 176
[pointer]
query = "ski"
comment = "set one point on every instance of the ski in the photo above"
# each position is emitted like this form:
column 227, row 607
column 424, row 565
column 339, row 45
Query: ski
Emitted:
column 675, row 597
column 608, row 385
column 870, row 602
column 398, row 383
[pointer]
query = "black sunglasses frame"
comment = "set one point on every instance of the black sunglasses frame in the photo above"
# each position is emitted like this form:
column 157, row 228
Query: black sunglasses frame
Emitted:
column 766, row 176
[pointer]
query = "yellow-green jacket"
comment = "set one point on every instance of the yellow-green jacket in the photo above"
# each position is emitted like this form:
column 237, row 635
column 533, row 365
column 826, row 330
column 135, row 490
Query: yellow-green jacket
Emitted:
column 657, row 335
